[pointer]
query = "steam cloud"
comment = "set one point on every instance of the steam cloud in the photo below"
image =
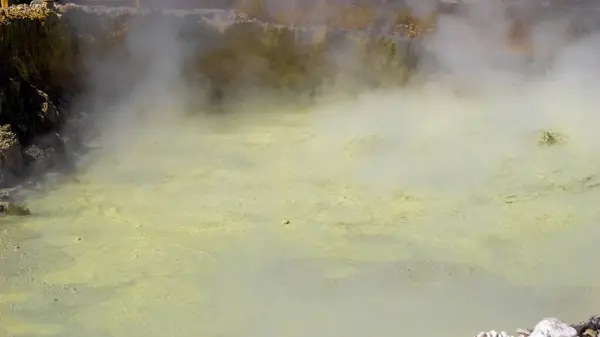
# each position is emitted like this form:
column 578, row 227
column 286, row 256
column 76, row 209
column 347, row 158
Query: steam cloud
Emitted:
column 466, row 129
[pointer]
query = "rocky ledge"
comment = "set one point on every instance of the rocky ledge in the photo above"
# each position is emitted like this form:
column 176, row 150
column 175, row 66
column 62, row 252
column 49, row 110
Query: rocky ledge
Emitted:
column 31, row 140
column 553, row 327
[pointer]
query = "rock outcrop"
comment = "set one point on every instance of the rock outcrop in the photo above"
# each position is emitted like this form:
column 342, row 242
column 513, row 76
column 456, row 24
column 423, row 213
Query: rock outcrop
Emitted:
column 553, row 327
column 27, row 109
column 28, row 123
column 11, row 158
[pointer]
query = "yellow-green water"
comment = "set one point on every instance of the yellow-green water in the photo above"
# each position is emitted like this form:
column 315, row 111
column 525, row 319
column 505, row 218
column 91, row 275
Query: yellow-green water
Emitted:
column 382, row 216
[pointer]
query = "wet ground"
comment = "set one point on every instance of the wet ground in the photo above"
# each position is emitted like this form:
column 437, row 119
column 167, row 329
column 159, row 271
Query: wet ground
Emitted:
column 381, row 216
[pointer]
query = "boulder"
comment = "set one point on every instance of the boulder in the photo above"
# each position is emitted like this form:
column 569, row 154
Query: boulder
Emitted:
column 28, row 110
column 594, row 322
column 45, row 153
column 592, row 326
column 553, row 327
column 10, row 208
column 11, row 158
column 9, row 205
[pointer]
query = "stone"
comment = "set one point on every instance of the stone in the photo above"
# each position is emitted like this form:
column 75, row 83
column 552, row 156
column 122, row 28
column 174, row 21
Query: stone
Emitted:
column 49, row 4
column 30, row 112
column 551, row 138
column 46, row 153
column 594, row 322
column 38, row 157
column 8, row 205
column 10, row 208
column 5, row 196
column 553, row 327
column 48, row 110
column 11, row 158
column 493, row 333
column 44, row 156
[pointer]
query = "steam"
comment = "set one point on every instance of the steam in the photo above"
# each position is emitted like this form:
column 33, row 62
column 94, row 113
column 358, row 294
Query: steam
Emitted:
column 422, row 8
column 141, row 83
column 466, row 131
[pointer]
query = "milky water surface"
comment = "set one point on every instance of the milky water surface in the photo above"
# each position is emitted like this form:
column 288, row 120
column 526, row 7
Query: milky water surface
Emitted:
column 273, row 225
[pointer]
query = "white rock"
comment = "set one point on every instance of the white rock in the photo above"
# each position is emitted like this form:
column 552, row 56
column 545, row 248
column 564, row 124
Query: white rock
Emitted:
column 493, row 333
column 553, row 327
